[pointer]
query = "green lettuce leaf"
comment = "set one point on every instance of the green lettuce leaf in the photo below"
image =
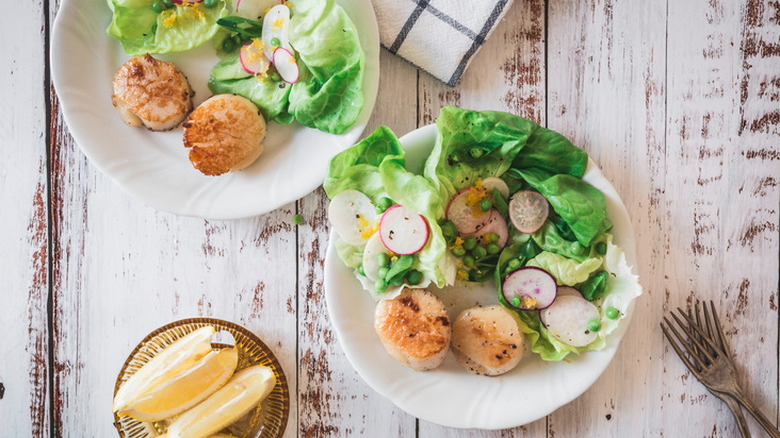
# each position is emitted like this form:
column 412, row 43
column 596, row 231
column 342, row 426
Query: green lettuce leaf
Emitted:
column 376, row 167
column 328, row 94
column 551, row 151
column 566, row 271
column 142, row 30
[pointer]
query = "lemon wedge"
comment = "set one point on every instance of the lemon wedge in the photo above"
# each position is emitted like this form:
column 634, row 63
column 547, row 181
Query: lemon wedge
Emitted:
column 240, row 395
column 171, row 361
column 186, row 389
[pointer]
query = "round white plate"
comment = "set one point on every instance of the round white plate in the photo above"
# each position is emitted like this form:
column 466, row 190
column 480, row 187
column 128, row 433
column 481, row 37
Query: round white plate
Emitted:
column 449, row 395
column 153, row 166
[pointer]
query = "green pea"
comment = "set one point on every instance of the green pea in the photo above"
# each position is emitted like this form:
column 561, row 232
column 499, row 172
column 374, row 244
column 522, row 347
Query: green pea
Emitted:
column 381, row 285
column 228, row 45
column 275, row 42
column 275, row 77
column 577, row 249
column 612, row 313
column 458, row 251
column 361, row 271
column 476, row 152
column 493, row 249
column 485, row 204
column 469, row 261
column 491, row 237
column 158, row 6
column 383, row 271
column 601, row 248
column 168, row 3
column 210, row 4
column 594, row 325
column 516, row 301
column 385, row 202
column 470, row 243
column 414, row 277
column 479, row 252
column 513, row 264
column 397, row 280
column 448, row 229
column 298, row 219
column 383, row 259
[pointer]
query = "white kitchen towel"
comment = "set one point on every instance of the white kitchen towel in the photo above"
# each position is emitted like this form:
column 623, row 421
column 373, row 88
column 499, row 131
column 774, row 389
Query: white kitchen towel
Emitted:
column 439, row 36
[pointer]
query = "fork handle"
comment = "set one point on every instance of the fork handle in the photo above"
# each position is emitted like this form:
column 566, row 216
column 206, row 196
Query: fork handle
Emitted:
column 768, row 426
column 736, row 409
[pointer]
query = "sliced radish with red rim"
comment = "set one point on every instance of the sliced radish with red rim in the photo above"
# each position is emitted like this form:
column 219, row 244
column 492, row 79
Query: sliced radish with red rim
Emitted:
column 460, row 212
column 402, row 230
column 353, row 216
column 529, row 288
column 528, row 210
column 568, row 320
column 568, row 290
column 286, row 65
column 253, row 59
column 276, row 24
column 496, row 225
column 494, row 183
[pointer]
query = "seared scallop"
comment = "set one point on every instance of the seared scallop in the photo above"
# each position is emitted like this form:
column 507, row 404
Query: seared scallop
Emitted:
column 414, row 328
column 224, row 134
column 487, row 340
column 152, row 93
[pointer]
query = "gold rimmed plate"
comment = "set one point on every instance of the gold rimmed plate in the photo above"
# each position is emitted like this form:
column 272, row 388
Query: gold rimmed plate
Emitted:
column 267, row 420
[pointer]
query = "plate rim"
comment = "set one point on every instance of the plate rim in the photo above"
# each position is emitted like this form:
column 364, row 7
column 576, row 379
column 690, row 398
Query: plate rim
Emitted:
column 331, row 259
column 68, row 9
column 281, row 376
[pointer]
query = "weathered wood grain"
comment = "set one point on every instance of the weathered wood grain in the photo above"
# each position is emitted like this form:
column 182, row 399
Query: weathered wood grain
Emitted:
column 24, row 366
column 506, row 75
column 333, row 400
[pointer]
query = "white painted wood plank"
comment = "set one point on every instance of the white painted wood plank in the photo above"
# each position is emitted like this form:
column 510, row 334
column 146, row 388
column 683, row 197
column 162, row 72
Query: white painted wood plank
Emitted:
column 605, row 87
column 506, row 75
column 24, row 367
column 333, row 400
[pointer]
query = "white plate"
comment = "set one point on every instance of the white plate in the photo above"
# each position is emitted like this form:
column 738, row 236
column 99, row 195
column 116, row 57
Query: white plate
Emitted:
column 154, row 166
column 449, row 395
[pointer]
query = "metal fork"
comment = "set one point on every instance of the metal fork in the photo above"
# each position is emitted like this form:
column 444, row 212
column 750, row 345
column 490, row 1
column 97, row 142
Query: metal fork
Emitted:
column 712, row 363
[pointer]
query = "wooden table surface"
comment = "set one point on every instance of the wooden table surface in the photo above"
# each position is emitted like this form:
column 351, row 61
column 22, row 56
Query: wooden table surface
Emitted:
column 677, row 101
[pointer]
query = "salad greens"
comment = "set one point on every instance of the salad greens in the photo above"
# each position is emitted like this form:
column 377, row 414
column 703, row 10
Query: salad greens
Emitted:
column 328, row 95
column 474, row 145
column 376, row 167
column 143, row 26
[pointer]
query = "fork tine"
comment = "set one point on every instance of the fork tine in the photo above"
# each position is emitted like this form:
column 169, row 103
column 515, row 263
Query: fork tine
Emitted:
column 679, row 352
column 704, row 351
column 686, row 345
column 690, row 316
column 710, row 331
column 707, row 327
column 701, row 333
column 723, row 341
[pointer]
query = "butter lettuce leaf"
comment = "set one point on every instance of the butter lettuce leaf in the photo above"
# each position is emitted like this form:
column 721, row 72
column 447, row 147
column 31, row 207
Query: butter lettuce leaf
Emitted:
column 328, row 94
column 141, row 30
column 376, row 167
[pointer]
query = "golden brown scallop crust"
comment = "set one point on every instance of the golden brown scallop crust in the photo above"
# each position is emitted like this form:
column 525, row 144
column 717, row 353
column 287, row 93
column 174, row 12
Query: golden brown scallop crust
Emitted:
column 414, row 328
column 224, row 134
column 151, row 90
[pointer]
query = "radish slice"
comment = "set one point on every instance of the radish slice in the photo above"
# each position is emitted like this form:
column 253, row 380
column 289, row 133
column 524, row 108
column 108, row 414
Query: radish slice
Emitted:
column 528, row 210
column 353, row 216
column 187, row 2
column 568, row 290
column 254, row 9
column 276, row 23
column 253, row 59
column 373, row 248
column 529, row 288
column 402, row 230
column 567, row 320
column 496, row 183
column 461, row 212
column 286, row 65
column 497, row 225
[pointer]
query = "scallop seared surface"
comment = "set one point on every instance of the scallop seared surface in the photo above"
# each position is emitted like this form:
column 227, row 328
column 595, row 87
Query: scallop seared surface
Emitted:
column 487, row 340
column 224, row 134
column 152, row 93
column 414, row 328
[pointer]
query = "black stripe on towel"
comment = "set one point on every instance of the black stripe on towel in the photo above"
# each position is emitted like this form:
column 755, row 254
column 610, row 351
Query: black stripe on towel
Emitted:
column 477, row 41
column 421, row 5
